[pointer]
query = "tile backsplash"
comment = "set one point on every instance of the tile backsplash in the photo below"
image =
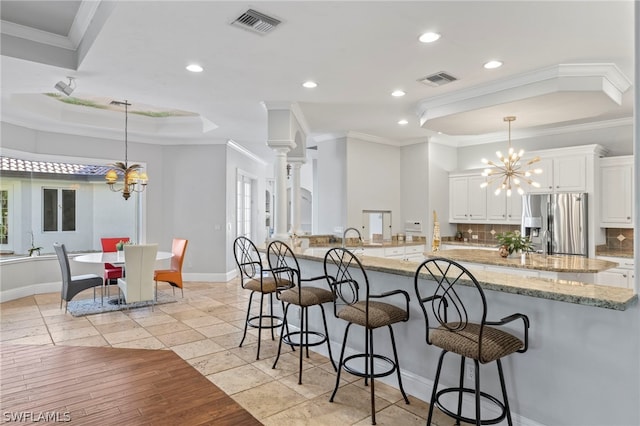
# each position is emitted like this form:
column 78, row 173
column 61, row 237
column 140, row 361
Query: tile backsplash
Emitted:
column 619, row 238
column 485, row 232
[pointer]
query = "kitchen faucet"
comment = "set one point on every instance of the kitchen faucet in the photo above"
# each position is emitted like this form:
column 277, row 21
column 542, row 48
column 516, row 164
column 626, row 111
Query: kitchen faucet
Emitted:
column 344, row 237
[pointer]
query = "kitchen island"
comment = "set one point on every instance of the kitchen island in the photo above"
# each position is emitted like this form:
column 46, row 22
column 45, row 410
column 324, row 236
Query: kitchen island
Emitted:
column 535, row 261
column 583, row 353
column 561, row 290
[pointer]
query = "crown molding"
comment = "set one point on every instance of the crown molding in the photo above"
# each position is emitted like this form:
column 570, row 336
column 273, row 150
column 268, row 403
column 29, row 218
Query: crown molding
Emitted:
column 604, row 77
column 463, row 141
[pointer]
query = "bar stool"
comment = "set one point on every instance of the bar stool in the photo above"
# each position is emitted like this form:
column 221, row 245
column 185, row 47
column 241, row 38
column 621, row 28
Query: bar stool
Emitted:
column 347, row 278
column 286, row 271
column 257, row 279
column 451, row 295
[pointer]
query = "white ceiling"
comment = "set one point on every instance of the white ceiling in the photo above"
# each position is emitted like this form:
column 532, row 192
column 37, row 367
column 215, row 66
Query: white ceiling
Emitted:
column 357, row 51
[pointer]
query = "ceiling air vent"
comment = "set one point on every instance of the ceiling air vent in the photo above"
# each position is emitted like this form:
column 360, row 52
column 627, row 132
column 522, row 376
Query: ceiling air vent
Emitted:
column 256, row 22
column 437, row 79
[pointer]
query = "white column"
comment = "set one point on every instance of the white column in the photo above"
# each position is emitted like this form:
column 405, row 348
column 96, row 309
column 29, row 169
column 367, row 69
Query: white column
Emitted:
column 280, row 220
column 296, row 198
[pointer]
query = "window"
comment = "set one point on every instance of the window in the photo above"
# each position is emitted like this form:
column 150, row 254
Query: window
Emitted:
column 243, row 203
column 4, row 217
column 58, row 209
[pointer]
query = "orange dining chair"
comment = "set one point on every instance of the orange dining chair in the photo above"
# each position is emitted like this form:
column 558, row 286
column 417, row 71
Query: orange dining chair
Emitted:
column 173, row 275
column 112, row 272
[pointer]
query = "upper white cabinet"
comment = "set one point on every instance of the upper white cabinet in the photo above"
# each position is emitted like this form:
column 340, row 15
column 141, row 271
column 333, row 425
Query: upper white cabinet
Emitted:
column 503, row 209
column 616, row 192
column 560, row 174
column 467, row 201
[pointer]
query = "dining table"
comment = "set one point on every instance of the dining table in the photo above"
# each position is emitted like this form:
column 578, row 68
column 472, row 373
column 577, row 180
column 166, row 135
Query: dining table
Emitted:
column 115, row 258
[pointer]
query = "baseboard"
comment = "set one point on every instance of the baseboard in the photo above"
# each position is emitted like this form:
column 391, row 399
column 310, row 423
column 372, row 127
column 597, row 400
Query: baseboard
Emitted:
column 30, row 290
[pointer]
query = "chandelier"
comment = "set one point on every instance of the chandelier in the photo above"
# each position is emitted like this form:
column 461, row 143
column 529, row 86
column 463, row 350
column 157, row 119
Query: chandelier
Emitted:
column 135, row 180
column 509, row 171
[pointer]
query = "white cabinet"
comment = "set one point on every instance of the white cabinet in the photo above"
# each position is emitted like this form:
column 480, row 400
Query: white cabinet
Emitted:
column 467, row 201
column 621, row 276
column 560, row 174
column 616, row 192
column 503, row 209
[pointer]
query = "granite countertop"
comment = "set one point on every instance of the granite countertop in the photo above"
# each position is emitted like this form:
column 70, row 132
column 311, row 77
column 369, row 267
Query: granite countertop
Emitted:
column 540, row 262
column 544, row 288
column 606, row 251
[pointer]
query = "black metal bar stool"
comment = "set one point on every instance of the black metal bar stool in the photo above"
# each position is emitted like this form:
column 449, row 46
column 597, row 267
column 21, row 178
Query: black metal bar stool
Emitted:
column 286, row 271
column 256, row 278
column 451, row 295
column 346, row 276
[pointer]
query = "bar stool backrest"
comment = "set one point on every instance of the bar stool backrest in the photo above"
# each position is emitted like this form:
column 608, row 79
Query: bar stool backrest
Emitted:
column 283, row 264
column 451, row 295
column 345, row 276
column 247, row 258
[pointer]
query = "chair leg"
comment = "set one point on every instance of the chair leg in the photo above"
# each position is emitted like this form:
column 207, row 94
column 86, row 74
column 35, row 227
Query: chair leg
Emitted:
column 344, row 346
column 395, row 355
column 282, row 333
column 303, row 335
column 461, row 386
column 369, row 332
column 504, row 393
column 273, row 336
column 326, row 333
column 260, row 327
column 434, row 392
column 477, row 387
column 246, row 323
column 66, row 304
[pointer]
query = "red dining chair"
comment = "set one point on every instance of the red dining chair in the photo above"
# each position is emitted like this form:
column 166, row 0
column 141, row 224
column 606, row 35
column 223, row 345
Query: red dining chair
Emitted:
column 112, row 272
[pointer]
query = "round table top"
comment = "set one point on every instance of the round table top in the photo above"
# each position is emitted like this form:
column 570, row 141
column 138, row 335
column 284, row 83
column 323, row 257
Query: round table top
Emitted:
column 113, row 257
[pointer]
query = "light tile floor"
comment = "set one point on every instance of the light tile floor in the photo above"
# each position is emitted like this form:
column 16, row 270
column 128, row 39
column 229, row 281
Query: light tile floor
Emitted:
column 205, row 328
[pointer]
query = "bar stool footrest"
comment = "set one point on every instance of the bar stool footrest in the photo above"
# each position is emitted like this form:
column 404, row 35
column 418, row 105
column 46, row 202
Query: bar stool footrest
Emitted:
column 277, row 321
column 391, row 366
column 493, row 399
column 321, row 338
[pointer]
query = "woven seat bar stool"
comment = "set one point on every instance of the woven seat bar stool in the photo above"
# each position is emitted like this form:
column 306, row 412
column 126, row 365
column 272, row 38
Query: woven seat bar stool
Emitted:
column 258, row 279
column 455, row 312
column 356, row 304
column 286, row 270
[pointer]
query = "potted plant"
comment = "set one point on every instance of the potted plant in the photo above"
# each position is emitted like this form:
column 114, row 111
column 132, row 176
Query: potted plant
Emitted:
column 34, row 251
column 513, row 242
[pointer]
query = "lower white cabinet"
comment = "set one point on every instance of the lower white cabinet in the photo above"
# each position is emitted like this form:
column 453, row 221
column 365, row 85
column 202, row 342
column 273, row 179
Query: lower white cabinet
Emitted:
column 622, row 276
column 413, row 253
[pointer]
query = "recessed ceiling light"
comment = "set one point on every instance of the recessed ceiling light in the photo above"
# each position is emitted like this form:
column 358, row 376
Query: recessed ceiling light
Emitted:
column 194, row 68
column 429, row 37
column 403, row 122
column 398, row 93
column 493, row 64
column 310, row 84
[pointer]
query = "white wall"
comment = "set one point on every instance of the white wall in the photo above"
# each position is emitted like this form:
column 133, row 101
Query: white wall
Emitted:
column 442, row 160
column 330, row 194
column 414, row 185
column 188, row 195
column 373, row 182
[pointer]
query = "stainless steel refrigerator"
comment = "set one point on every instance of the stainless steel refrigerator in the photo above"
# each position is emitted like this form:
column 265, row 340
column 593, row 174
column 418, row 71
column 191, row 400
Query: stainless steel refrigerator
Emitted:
column 556, row 223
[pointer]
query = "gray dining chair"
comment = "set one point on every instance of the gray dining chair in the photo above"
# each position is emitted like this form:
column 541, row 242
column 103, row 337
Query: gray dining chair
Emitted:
column 74, row 284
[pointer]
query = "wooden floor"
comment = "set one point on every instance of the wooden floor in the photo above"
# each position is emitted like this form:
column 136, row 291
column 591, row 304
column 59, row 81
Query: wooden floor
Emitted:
column 110, row 386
